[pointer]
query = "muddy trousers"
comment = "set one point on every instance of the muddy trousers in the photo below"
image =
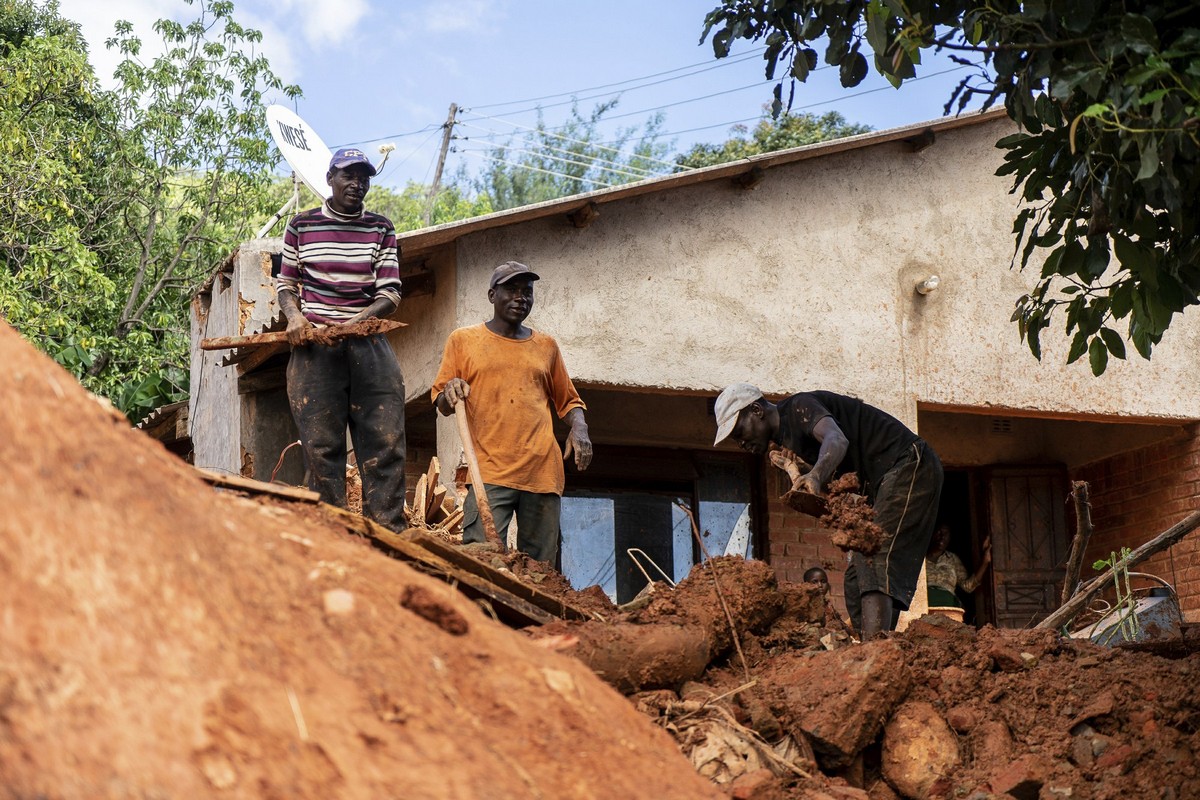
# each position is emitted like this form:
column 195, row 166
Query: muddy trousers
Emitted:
column 355, row 383
column 537, row 519
column 906, row 506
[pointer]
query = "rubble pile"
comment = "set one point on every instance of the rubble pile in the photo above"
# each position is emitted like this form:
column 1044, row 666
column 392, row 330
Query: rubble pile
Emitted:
column 938, row 711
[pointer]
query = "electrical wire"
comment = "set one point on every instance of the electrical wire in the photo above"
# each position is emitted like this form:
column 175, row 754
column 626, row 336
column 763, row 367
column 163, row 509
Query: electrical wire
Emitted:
column 597, row 159
column 550, row 132
column 589, row 164
column 831, row 101
column 576, row 99
column 482, row 154
column 437, row 126
column 707, row 64
column 392, row 167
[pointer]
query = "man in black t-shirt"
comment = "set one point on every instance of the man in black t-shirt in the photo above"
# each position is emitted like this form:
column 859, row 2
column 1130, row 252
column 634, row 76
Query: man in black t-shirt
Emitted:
column 899, row 473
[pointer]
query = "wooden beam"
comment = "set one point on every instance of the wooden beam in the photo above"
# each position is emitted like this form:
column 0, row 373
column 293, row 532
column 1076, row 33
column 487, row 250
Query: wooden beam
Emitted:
column 464, row 560
column 1089, row 590
column 257, row 487
column 512, row 610
column 750, row 178
column 263, row 380
column 257, row 357
column 366, row 328
column 584, row 215
column 922, row 140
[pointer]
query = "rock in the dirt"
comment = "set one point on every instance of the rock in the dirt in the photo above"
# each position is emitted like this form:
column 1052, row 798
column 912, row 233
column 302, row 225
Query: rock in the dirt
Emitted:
column 761, row 784
column 963, row 718
column 841, row 698
column 918, row 748
column 991, row 742
column 1022, row 779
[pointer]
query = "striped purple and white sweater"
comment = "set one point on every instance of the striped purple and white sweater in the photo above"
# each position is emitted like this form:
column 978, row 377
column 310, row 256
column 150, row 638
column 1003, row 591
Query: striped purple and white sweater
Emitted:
column 339, row 265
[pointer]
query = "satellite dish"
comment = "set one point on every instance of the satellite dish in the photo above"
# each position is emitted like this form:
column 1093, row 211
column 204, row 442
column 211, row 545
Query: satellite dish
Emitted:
column 307, row 155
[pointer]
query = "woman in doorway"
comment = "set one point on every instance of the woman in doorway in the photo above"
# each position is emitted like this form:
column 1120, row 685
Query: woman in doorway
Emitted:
column 944, row 571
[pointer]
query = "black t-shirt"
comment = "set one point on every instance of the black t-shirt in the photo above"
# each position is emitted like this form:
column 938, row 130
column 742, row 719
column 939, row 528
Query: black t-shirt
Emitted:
column 877, row 439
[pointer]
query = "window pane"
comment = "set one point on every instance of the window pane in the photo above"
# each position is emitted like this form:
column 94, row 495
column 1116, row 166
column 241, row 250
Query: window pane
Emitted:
column 724, row 489
column 587, row 543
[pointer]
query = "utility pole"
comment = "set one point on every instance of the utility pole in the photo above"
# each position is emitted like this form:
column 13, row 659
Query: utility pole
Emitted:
column 441, row 162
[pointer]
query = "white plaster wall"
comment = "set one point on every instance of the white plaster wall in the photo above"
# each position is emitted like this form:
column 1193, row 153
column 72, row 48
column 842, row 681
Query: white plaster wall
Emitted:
column 807, row 282
column 430, row 319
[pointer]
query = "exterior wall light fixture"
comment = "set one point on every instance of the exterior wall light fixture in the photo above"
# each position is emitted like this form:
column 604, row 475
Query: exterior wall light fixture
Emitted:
column 928, row 285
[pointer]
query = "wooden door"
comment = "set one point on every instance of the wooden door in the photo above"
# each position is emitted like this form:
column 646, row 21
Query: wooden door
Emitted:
column 1027, row 519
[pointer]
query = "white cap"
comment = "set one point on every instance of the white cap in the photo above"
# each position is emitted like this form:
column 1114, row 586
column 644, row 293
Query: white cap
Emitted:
column 730, row 403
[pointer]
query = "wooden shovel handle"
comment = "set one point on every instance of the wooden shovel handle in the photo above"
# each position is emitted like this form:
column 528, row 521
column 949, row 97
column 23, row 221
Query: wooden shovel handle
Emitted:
column 485, row 510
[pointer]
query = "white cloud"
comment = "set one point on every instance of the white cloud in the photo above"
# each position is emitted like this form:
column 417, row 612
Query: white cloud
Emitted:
column 461, row 16
column 322, row 22
column 97, row 21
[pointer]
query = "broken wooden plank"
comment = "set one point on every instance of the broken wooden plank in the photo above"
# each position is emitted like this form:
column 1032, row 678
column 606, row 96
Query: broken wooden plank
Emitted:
column 1072, row 607
column 509, row 608
column 257, row 487
column 504, row 580
column 368, row 327
column 418, row 504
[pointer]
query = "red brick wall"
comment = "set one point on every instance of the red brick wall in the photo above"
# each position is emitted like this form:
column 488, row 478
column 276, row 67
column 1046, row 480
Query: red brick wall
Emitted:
column 1137, row 495
column 797, row 543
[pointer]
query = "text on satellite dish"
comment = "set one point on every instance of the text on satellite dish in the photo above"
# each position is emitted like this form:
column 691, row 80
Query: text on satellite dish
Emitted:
column 293, row 136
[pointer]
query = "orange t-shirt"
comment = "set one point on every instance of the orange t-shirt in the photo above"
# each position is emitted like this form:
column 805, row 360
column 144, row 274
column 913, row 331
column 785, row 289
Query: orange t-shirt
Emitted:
column 514, row 385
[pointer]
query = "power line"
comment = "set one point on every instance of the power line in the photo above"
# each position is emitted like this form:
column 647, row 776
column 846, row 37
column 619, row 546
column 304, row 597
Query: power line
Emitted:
column 550, row 132
column 492, row 133
column 575, row 99
column 837, row 99
column 392, row 167
column 481, row 154
column 708, row 64
column 589, row 164
column 432, row 126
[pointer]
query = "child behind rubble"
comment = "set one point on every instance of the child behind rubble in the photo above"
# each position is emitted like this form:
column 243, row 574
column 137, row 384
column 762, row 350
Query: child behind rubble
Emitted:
column 833, row 620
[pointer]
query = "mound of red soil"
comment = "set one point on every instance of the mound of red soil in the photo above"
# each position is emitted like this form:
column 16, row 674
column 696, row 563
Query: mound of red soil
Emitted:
column 161, row 639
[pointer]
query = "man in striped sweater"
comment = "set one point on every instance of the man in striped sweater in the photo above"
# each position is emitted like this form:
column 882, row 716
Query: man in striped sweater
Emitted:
column 339, row 267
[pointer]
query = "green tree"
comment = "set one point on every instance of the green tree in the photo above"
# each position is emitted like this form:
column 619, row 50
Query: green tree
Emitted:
column 60, row 180
column 771, row 134
column 406, row 208
column 547, row 164
column 1107, row 97
column 200, row 164
column 115, row 205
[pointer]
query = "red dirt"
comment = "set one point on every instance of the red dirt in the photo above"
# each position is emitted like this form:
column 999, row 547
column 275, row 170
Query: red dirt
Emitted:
column 159, row 638
column 851, row 518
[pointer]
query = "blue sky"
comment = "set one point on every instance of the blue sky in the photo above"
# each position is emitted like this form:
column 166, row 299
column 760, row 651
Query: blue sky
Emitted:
column 386, row 72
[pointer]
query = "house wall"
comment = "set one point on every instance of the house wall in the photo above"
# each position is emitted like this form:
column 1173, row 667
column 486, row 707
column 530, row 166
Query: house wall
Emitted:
column 808, row 281
column 1139, row 494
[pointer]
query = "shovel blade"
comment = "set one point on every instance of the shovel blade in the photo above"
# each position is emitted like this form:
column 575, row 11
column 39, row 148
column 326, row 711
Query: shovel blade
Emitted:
column 814, row 505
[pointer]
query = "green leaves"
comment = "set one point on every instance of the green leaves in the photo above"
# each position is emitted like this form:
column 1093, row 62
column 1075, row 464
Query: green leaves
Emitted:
column 1107, row 160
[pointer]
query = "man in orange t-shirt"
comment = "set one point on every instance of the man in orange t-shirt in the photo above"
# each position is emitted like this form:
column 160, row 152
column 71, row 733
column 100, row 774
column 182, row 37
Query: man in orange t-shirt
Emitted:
column 514, row 377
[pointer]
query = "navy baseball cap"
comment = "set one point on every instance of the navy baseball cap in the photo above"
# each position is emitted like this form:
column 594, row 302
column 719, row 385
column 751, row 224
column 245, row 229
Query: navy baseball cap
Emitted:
column 348, row 156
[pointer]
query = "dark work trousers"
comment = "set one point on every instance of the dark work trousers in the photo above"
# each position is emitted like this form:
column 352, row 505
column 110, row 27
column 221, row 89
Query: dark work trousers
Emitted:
column 906, row 506
column 356, row 382
column 538, row 519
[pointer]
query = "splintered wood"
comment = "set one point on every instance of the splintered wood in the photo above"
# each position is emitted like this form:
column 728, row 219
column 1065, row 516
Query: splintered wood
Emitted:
column 432, row 507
